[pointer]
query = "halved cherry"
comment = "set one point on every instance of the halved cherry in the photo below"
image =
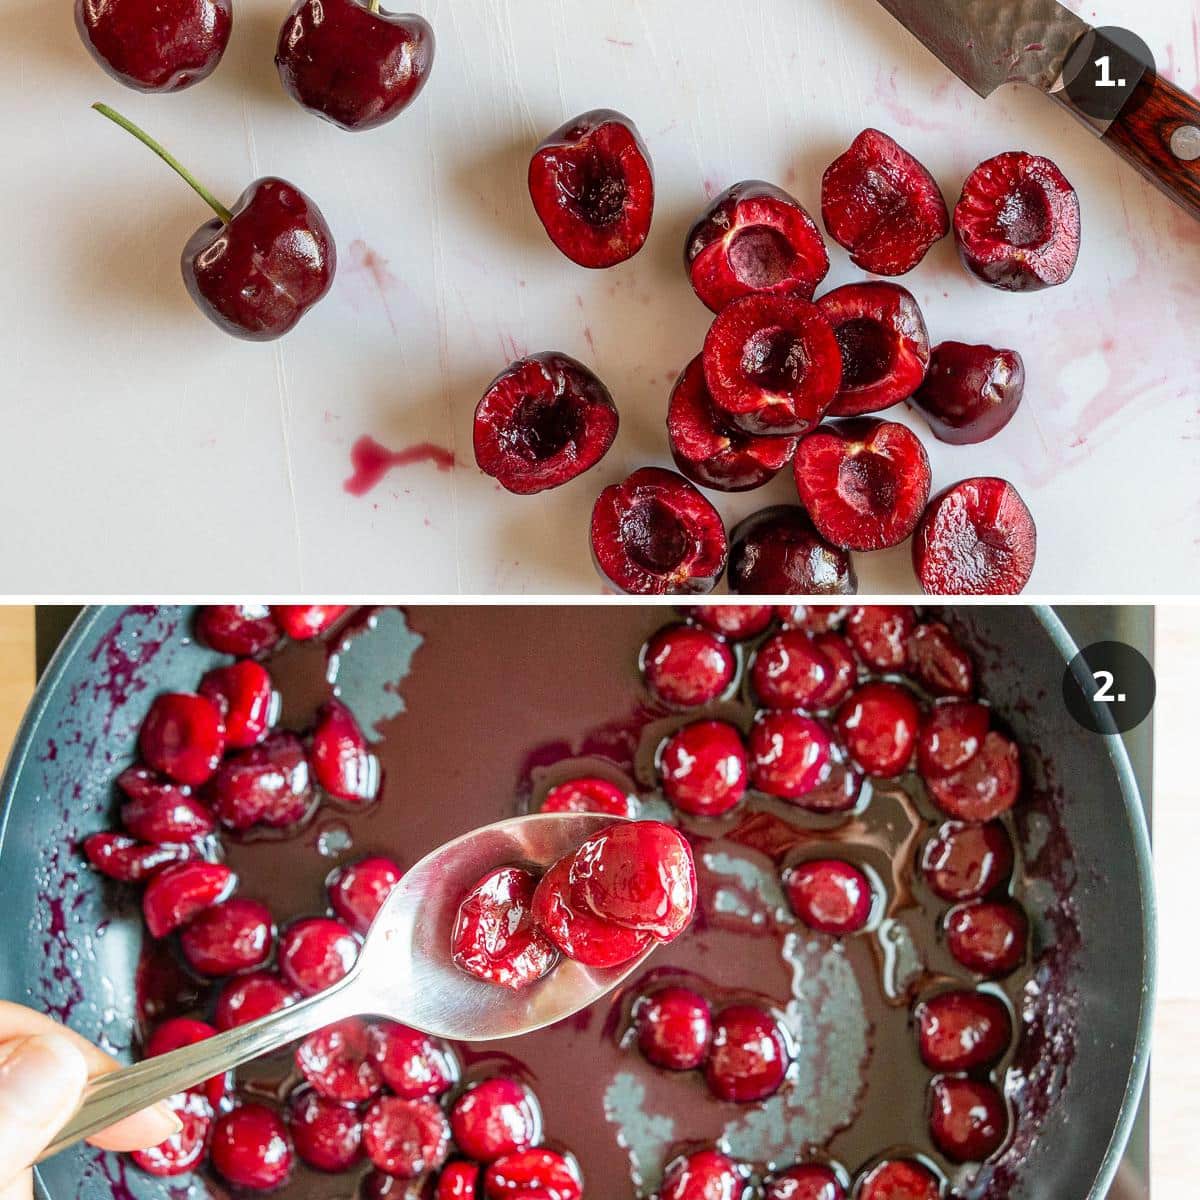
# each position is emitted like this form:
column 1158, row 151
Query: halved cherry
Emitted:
column 709, row 449
column 179, row 893
column 988, row 937
column 535, row 1174
column 166, row 814
column 341, row 761
column 655, row 534
column 962, row 1030
column 790, row 754
column 413, row 1064
column 939, row 661
column 864, row 482
column 878, row 723
column 406, row 1138
column 183, row 736
column 950, row 736
column 772, row 364
column 754, row 238
column 495, row 1117
column 703, row 768
column 247, row 700
column 542, row 422
column 185, row 1150
column 131, row 861
column 246, row 630
column 977, row 538
column 592, row 186
column 884, row 344
column 986, row 787
column 359, row 890
column 178, row 1032
column 968, row 1119
column 879, row 634
column 303, row 621
column 965, row 861
column 268, row 784
column 590, row 794
column 704, row 1175
column 338, row 1062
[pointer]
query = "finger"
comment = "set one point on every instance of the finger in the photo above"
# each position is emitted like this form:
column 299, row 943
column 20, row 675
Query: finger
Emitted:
column 41, row 1080
column 147, row 1128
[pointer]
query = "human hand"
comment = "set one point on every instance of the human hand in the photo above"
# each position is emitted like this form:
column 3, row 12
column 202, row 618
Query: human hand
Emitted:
column 44, row 1068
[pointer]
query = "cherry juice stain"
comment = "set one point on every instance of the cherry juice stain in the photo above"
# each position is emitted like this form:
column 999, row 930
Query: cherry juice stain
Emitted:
column 371, row 461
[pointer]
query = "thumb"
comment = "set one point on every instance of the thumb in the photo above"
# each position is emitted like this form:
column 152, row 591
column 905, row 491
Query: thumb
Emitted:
column 41, row 1082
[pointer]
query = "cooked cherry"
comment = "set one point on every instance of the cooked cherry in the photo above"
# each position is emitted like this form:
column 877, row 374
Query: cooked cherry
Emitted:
column 183, row 737
column 703, row 768
column 327, row 1135
column 458, row 1181
column 495, row 937
column 939, row 662
column 791, row 671
column 358, row 891
column 812, row 618
column 687, row 666
column 878, row 724
column 187, row 1031
column 246, row 630
column 772, row 364
column 246, row 699
column 950, row 736
column 638, row 874
column 250, row 1148
column 406, row 1138
column 749, row 1058
column 789, row 754
column 165, row 46
column 338, row 1062
column 966, row 862
column 165, row 813
column 807, row 1181
column 986, row 787
column 882, row 205
column 970, row 392
column 592, row 186
column 227, row 938
column 131, row 861
column 185, row 1150
column 839, row 654
column 252, row 996
column 977, row 538
column 542, row 422
column 711, row 451
column 177, row 894
column 576, row 932
column 674, row 1028
column 304, row 621
column 354, row 64
column 268, row 784
column 738, row 622
column 413, row 1064
column 705, row 1175
column 754, row 238
column 864, row 482
column 988, row 937
column 315, row 953
column 884, row 344
column 961, row 1031
column 533, row 1175
column 590, row 794
column 1017, row 223
column 655, row 534
column 968, row 1120
column 494, row 1118
column 341, row 762
column 879, row 634
column 777, row 552
column 830, row 896
column 899, row 1179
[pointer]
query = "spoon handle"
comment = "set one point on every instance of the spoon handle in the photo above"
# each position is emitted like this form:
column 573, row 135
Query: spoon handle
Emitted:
column 121, row 1093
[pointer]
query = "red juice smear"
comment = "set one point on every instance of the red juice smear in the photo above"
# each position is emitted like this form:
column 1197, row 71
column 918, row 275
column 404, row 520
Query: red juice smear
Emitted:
column 372, row 461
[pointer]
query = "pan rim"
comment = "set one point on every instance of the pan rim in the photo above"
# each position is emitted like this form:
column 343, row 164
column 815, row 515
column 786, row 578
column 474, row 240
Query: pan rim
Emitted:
column 84, row 624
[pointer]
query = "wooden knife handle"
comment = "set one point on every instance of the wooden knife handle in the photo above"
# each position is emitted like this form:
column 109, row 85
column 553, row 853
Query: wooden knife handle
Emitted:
column 1158, row 132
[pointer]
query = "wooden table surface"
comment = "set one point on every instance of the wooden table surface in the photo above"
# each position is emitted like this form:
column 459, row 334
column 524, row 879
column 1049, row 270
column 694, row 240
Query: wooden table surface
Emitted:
column 1176, row 1098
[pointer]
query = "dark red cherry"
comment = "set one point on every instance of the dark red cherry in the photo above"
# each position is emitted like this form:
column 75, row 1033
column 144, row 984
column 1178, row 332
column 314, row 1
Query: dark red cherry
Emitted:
column 315, row 953
column 185, row 1150
column 131, row 861
column 250, row 1148
column 413, row 1064
column 246, row 699
column 354, row 64
column 341, row 761
column 163, row 812
column 807, row 1181
column 791, row 671
column 880, row 633
column 177, row 894
column 966, row 861
column 187, row 1031
column 183, row 737
column 962, row 1031
column 988, row 937
column 829, row 895
column 750, row 1056
column 939, row 661
column 687, row 666
column 458, row 1180
column 899, row 1179
column 406, row 1138
column 777, row 552
column 303, row 621
column 327, row 1135
column 358, row 891
column 968, row 1119
column 592, row 795
column 950, row 736
column 986, row 787
column 338, row 1061
column 237, row 935
column 703, row 768
column 537, row 1174
column 245, row 630
column 496, row 1117
column 790, row 754
column 495, row 937
column 705, row 1175
column 249, row 997
column 268, row 784
column 738, row 622
column 878, row 723
column 674, row 1028
column 155, row 45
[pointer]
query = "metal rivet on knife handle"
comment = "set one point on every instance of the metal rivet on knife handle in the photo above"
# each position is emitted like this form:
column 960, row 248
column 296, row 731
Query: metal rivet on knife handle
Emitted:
column 1185, row 143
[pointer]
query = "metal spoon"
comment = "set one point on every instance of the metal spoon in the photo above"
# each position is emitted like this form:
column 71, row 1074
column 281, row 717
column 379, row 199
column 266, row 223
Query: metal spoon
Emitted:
column 404, row 972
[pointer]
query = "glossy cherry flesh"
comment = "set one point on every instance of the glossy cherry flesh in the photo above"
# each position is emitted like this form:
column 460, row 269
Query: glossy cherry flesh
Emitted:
column 257, row 268
column 355, row 64
column 155, row 45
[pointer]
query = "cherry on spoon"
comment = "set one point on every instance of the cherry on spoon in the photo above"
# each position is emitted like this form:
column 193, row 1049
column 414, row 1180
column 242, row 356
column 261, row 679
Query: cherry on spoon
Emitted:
column 258, row 267
column 404, row 972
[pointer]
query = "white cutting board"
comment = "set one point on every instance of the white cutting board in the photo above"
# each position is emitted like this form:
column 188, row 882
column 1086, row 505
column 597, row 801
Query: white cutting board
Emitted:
column 144, row 451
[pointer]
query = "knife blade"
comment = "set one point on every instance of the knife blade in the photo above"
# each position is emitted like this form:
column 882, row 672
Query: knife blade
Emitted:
column 988, row 43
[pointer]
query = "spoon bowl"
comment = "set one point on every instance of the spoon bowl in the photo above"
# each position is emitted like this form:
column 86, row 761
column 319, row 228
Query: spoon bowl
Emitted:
column 404, row 972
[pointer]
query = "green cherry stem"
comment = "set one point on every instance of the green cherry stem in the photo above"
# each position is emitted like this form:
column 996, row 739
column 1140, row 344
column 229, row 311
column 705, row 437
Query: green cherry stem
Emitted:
column 168, row 158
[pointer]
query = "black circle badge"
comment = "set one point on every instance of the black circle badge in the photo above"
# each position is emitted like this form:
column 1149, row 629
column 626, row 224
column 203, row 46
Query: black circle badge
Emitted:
column 1109, row 687
column 1104, row 68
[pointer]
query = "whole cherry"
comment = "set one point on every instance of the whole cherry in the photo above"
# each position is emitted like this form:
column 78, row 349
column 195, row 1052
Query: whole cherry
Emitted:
column 354, row 64
column 257, row 268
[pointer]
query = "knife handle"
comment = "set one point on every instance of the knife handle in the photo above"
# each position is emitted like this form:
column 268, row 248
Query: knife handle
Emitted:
column 1158, row 133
